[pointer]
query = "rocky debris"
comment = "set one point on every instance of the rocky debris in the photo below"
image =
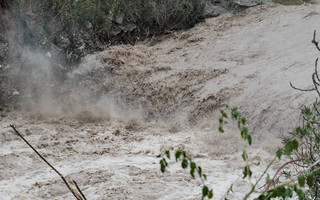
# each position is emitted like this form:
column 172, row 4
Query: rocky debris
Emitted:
column 89, row 26
column 119, row 18
column 247, row 3
column 240, row 5
column 216, row 7
column 211, row 10
column 3, row 52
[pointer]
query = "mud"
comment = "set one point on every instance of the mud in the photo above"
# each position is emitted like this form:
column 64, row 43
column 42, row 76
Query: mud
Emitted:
column 114, row 114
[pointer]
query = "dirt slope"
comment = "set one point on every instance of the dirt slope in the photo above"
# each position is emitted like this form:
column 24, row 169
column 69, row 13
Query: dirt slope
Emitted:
column 148, row 96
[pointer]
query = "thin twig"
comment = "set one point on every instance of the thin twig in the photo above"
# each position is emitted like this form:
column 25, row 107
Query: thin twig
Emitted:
column 315, row 83
column 79, row 190
column 78, row 197
column 303, row 90
column 316, row 69
column 282, row 166
column 316, row 43
column 293, row 179
column 265, row 171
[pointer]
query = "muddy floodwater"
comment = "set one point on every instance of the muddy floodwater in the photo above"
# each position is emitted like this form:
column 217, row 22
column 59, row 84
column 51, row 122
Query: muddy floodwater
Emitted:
column 123, row 106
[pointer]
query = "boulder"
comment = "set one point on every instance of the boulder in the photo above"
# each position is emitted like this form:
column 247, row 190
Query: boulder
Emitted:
column 119, row 18
column 247, row 3
column 211, row 10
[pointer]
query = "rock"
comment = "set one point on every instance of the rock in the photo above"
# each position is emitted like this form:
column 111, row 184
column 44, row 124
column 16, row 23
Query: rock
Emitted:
column 128, row 28
column 48, row 55
column 15, row 93
column 240, row 5
column 247, row 3
column 115, row 31
column 226, row 4
column 89, row 26
column 119, row 18
column 212, row 10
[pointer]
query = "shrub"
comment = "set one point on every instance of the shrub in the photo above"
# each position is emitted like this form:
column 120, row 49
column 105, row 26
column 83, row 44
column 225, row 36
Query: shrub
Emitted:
column 149, row 16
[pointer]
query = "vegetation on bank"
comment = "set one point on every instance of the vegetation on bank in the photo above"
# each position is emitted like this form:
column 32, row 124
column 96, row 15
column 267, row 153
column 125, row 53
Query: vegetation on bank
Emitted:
column 129, row 18
column 292, row 2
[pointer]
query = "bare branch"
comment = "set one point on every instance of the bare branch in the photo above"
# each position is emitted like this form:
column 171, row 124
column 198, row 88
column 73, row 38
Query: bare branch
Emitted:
column 282, row 166
column 316, row 69
column 316, row 43
column 78, row 197
column 303, row 90
column 315, row 83
column 79, row 190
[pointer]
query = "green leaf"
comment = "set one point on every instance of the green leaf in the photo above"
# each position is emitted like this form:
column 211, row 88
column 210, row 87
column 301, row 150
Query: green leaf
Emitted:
column 230, row 189
column 221, row 130
column 307, row 112
column 193, row 168
column 184, row 154
column 204, row 176
column 205, row 191
column 310, row 180
column 268, row 179
column 244, row 155
column 184, row 164
column 178, row 154
column 279, row 153
column 288, row 149
column 159, row 156
column 163, row 165
column 163, row 168
column 200, row 171
column 288, row 193
column 210, row 195
column 301, row 180
column 168, row 154
column 243, row 120
column 247, row 172
column 244, row 132
column 193, row 165
column 308, row 129
column 224, row 114
column 298, row 130
column 277, row 192
column 250, row 173
column 249, row 138
column 295, row 144
column 192, row 172
column 235, row 114
column 300, row 194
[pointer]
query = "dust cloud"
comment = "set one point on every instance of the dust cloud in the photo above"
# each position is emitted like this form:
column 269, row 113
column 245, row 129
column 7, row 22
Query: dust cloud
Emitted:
column 43, row 85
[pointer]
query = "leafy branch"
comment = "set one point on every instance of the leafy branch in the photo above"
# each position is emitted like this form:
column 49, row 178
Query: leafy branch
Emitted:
column 186, row 163
column 272, row 188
